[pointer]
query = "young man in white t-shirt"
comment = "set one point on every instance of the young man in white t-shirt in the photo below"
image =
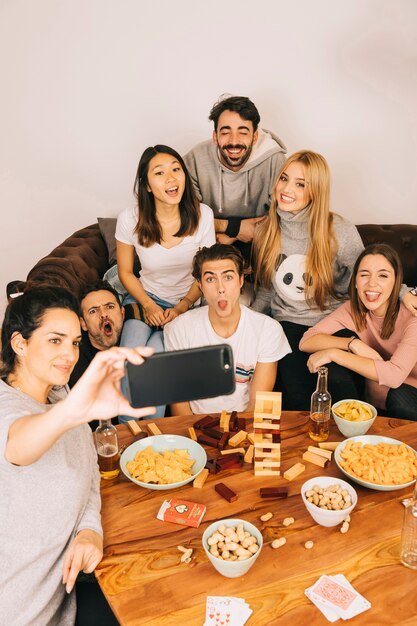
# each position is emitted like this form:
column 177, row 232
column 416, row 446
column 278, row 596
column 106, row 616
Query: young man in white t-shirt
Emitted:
column 257, row 341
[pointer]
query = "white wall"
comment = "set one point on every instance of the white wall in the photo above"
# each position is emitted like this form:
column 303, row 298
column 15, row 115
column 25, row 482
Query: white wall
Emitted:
column 86, row 85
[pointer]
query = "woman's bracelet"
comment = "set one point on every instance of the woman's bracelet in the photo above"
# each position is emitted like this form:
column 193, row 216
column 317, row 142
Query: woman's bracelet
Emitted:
column 188, row 301
column 349, row 349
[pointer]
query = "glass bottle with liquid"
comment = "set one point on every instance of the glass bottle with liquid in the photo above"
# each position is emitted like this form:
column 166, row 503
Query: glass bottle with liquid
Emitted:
column 408, row 553
column 321, row 401
column 107, row 447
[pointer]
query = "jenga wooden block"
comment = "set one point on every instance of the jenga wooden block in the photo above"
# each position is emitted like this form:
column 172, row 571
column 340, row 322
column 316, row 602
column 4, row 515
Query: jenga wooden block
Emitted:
column 201, row 479
column 226, row 493
column 233, row 451
column 294, row 471
column 267, row 464
column 267, row 444
column 329, row 445
column 225, row 421
column 326, row 453
column 192, row 433
column 266, row 472
column 153, row 429
column 315, row 459
column 273, row 454
column 238, row 438
column 261, row 426
column 134, row 427
column 221, row 444
column 249, row 455
column 250, row 437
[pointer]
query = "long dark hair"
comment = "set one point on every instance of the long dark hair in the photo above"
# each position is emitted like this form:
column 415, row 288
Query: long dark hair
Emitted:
column 358, row 309
column 148, row 228
column 24, row 315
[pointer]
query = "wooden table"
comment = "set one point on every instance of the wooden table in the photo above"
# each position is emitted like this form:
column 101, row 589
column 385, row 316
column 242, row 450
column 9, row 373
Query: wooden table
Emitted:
column 145, row 583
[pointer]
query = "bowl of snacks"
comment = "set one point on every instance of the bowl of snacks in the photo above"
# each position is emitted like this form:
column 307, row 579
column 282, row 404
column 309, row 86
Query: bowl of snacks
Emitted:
column 163, row 461
column 380, row 463
column 353, row 417
column 232, row 546
column 328, row 500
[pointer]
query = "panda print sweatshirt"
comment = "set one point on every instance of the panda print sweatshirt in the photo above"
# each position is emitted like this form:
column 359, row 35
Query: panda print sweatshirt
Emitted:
column 285, row 300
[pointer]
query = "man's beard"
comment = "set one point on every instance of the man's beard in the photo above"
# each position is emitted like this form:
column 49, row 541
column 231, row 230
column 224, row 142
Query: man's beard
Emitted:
column 107, row 341
column 239, row 161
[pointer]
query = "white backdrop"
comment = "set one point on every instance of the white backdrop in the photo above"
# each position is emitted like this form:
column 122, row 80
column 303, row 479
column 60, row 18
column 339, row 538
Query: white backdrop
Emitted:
column 86, row 85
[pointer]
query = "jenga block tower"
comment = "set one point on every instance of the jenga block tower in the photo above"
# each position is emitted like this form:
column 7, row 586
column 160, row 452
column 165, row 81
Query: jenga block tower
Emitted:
column 267, row 434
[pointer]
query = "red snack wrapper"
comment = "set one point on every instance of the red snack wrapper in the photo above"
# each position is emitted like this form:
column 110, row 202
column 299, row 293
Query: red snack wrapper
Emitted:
column 181, row 512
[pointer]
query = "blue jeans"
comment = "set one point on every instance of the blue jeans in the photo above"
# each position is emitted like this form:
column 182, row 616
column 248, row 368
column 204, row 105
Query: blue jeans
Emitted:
column 137, row 333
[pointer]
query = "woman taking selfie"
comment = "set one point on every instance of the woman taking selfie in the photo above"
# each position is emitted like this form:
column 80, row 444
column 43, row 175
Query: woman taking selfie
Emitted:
column 50, row 513
column 166, row 229
column 382, row 346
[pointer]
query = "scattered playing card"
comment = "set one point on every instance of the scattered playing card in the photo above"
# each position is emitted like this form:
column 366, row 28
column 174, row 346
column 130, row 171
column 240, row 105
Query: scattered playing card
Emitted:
column 226, row 611
column 335, row 597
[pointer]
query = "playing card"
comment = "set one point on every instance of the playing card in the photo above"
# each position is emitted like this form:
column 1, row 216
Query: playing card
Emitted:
column 226, row 611
column 328, row 613
column 341, row 598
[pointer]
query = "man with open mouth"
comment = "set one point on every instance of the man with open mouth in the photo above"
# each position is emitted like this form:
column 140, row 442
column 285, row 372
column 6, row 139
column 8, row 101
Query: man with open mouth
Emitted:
column 101, row 322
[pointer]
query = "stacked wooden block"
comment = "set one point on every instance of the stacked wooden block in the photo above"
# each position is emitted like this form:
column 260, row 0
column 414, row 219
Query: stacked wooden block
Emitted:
column 267, row 434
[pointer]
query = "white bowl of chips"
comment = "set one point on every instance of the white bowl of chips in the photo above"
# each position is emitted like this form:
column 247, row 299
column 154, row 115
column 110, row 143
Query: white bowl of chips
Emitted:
column 344, row 449
column 163, row 461
column 353, row 417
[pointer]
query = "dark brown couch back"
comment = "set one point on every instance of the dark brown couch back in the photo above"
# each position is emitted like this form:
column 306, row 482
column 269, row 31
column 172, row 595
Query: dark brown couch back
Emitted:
column 83, row 257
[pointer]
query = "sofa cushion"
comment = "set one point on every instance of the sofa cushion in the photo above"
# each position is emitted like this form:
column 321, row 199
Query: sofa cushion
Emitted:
column 107, row 227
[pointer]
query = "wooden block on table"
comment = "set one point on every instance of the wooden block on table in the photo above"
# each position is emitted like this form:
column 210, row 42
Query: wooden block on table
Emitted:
column 226, row 493
column 201, row 479
column 206, row 422
column 273, row 492
column 329, row 445
column 294, row 471
column 315, row 459
column 266, row 464
column 327, row 454
column 212, row 466
column 225, row 421
column 262, row 426
column 230, row 462
column 251, row 437
column 153, row 429
column 221, row 444
column 248, row 458
column 206, row 440
column 134, row 427
column 238, row 438
column 192, row 433
column 213, row 432
column 233, row 451
column 234, row 422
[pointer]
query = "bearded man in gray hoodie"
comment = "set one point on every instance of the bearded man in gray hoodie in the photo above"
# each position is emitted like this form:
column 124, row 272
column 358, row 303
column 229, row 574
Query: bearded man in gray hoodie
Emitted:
column 235, row 172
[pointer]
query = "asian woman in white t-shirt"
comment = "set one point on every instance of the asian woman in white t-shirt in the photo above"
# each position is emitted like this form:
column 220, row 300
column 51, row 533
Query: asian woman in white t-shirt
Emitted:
column 165, row 228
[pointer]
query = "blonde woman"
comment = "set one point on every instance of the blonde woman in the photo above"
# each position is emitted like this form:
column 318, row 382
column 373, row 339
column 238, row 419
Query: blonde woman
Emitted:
column 303, row 260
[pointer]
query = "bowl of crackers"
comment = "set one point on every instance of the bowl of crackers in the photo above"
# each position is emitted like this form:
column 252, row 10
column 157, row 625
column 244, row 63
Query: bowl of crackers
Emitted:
column 328, row 500
column 353, row 417
column 163, row 461
column 376, row 462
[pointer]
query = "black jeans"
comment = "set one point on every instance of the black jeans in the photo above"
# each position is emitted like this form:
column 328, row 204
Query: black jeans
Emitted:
column 296, row 382
column 92, row 606
column 402, row 402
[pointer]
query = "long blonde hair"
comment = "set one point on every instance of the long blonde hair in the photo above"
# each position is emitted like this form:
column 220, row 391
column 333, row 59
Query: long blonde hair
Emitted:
column 322, row 246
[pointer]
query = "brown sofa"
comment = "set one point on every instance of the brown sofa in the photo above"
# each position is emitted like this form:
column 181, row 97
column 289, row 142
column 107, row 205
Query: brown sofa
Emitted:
column 89, row 252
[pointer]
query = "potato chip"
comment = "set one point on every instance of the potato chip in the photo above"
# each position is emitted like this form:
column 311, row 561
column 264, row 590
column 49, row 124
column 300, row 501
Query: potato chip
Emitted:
column 353, row 411
column 162, row 468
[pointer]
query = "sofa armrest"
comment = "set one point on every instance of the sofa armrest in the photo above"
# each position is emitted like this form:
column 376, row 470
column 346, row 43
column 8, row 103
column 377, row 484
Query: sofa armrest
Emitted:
column 79, row 260
column 402, row 237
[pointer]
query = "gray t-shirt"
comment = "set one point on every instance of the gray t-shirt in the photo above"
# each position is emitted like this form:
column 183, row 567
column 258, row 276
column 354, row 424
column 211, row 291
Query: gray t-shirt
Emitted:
column 42, row 507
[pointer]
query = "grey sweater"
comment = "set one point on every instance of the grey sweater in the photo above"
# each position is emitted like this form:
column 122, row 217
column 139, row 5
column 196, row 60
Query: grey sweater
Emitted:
column 285, row 300
column 43, row 506
column 245, row 193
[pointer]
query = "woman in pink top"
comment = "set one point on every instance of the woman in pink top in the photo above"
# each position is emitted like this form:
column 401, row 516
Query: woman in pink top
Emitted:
column 382, row 348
